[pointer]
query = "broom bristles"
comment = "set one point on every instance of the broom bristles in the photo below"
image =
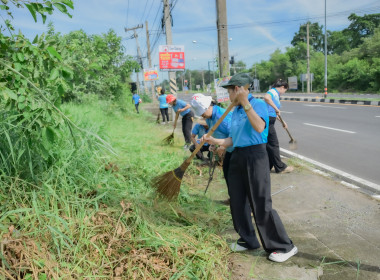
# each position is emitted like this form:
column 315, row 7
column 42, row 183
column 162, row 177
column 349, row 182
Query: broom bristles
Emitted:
column 169, row 183
column 169, row 140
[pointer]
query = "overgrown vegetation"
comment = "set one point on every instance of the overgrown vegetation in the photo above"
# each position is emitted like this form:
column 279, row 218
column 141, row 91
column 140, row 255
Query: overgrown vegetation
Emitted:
column 95, row 214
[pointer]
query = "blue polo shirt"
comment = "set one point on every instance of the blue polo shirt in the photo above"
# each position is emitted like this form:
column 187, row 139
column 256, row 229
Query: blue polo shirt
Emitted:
column 276, row 100
column 179, row 105
column 162, row 100
column 224, row 129
column 199, row 130
column 136, row 98
column 242, row 132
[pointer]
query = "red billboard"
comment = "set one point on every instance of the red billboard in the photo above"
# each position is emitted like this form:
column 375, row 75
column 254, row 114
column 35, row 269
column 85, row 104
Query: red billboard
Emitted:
column 172, row 58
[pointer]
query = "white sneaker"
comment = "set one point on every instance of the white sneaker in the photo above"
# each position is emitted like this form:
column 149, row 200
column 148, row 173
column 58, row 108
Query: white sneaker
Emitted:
column 281, row 257
column 237, row 248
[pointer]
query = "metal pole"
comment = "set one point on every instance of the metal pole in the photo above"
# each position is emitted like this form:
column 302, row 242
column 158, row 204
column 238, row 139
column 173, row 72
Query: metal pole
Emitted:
column 325, row 52
column 308, row 60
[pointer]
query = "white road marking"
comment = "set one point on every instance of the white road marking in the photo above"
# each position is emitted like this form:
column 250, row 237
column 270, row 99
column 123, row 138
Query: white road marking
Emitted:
column 326, row 127
column 321, row 173
column 314, row 105
column 322, row 166
column 290, row 112
column 352, row 186
column 375, row 116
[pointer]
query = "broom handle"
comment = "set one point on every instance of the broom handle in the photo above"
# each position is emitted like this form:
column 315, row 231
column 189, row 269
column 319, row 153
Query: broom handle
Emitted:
column 211, row 131
column 175, row 121
column 282, row 121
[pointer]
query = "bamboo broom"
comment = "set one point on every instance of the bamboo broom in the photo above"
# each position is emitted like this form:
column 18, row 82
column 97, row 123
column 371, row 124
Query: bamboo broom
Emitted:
column 170, row 139
column 169, row 183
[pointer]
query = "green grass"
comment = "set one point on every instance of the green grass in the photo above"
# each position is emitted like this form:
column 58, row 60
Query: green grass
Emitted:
column 93, row 214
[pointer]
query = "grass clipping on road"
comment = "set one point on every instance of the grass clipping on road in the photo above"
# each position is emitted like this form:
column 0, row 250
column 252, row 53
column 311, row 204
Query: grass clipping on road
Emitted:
column 94, row 214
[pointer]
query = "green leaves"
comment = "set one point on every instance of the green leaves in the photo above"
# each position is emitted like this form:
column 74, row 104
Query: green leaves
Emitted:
column 54, row 74
column 54, row 53
column 32, row 11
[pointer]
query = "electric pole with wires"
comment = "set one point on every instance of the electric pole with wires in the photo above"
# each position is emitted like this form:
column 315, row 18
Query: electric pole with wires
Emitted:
column 138, row 52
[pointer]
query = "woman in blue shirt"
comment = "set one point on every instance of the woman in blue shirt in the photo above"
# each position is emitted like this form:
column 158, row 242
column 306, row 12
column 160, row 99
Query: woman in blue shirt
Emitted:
column 249, row 176
column 272, row 98
column 163, row 106
column 183, row 109
column 204, row 107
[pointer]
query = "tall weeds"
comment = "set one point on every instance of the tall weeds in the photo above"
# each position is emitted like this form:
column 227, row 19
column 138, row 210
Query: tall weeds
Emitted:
column 89, row 213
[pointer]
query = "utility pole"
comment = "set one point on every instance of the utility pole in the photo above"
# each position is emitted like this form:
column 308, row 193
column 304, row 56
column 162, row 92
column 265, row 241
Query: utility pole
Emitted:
column 169, row 41
column 221, row 24
column 325, row 53
column 203, row 81
column 149, row 58
column 138, row 51
column 308, row 59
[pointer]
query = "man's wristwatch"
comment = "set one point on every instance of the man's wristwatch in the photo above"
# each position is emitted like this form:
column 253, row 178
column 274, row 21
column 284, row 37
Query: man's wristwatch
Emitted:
column 247, row 107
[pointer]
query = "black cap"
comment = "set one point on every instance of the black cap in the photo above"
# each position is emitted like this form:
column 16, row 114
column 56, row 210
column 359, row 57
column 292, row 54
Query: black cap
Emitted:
column 240, row 79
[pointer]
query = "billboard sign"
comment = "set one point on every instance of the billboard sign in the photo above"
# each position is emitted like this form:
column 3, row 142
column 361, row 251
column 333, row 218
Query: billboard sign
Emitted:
column 292, row 81
column 150, row 74
column 172, row 57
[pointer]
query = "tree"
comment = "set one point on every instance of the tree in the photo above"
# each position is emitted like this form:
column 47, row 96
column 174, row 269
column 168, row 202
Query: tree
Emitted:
column 337, row 42
column 315, row 33
column 361, row 27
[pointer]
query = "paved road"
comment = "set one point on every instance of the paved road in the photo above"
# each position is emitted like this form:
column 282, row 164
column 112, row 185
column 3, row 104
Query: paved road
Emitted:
column 346, row 137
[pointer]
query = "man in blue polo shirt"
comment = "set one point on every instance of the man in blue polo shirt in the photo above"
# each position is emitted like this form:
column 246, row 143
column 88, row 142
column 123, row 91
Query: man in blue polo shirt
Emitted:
column 249, row 176
column 136, row 100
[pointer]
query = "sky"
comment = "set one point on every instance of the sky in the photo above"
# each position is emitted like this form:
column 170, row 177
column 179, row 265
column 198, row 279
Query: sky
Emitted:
column 255, row 28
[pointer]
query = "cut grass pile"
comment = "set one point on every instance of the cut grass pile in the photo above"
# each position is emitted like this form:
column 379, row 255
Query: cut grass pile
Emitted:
column 93, row 214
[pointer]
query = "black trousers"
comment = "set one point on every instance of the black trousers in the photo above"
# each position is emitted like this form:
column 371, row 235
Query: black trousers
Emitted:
column 226, row 165
column 199, row 155
column 250, row 191
column 164, row 113
column 137, row 107
column 273, row 148
column 187, row 125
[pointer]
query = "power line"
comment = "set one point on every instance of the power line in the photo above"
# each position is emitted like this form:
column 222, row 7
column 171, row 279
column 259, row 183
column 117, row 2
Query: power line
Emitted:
column 261, row 23
column 142, row 16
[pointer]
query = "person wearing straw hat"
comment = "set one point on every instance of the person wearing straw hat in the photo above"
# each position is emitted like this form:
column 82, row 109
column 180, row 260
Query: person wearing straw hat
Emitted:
column 249, row 177
column 272, row 98
column 204, row 107
column 183, row 109
column 199, row 129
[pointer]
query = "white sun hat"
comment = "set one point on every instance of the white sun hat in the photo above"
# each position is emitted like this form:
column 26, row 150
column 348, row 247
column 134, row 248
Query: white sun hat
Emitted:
column 200, row 103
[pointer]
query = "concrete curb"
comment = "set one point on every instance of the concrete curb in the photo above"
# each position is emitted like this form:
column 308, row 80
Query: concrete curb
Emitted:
column 351, row 179
column 330, row 101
